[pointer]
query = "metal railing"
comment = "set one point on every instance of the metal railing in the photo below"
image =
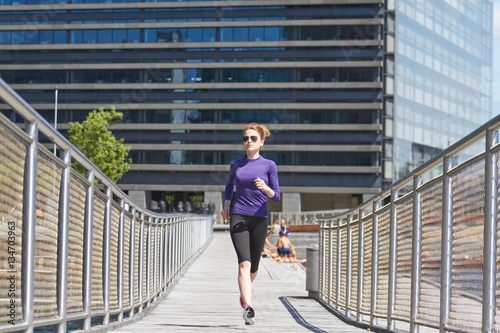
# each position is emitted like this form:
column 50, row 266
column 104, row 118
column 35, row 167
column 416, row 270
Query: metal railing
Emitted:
column 423, row 253
column 303, row 218
column 291, row 218
column 76, row 251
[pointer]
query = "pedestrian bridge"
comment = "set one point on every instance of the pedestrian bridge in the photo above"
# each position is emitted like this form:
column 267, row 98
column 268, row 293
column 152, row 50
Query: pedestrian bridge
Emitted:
column 79, row 254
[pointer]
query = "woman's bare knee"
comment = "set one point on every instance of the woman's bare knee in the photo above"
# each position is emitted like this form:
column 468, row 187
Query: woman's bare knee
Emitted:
column 245, row 265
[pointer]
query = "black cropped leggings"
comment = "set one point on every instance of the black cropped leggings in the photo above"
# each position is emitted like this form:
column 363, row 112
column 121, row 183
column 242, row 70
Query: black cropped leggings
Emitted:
column 248, row 234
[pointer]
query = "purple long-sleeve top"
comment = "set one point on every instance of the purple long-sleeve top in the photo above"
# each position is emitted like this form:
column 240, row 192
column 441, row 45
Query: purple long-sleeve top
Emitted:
column 249, row 200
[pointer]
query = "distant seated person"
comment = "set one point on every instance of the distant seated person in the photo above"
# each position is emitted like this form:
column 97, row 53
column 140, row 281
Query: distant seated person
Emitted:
column 285, row 248
column 293, row 258
column 283, row 228
column 267, row 251
column 274, row 229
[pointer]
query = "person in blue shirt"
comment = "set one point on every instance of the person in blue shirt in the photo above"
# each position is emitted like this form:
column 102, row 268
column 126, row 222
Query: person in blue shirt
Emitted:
column 256, row 181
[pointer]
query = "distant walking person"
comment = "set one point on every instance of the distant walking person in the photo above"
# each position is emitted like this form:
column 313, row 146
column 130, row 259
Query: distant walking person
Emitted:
column 256, row 181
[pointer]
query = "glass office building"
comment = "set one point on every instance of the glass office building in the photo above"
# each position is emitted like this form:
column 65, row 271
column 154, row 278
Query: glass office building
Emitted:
column 188, row 75
column 442, row 89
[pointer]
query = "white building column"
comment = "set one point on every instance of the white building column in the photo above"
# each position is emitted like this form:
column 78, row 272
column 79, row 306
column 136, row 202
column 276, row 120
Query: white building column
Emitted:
column 367, row 197
column 139, row 197
column 291, row 202
column 215, row 198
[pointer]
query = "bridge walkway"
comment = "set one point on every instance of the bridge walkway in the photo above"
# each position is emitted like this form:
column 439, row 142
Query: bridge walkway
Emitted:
column 206, row 299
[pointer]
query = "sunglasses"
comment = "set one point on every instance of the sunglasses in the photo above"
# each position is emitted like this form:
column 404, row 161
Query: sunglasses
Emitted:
column 253, row 138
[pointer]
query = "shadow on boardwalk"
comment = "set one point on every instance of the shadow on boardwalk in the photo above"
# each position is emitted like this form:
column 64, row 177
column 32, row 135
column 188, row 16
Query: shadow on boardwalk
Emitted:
column 206, row 299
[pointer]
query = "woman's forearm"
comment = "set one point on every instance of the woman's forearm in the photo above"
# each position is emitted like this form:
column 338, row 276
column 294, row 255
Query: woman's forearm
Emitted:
column 269, row 191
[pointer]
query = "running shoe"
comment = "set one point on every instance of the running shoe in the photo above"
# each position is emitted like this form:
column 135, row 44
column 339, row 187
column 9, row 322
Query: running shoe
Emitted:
column 249, row 315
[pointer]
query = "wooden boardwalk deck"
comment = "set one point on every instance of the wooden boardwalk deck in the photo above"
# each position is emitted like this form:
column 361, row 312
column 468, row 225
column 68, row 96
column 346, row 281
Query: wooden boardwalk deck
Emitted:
column 206, row 299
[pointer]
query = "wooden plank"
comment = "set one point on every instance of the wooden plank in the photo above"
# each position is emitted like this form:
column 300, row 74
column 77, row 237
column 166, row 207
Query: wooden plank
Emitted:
column 206, row 299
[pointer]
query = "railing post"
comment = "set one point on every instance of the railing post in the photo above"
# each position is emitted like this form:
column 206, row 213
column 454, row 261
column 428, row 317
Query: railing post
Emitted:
column 192, row 239
column 179, row 244
column 320, row 256
column 131, row 264
column 140, row 286
column 339, row 265
column 177, row 249
column 184, row 248
column 375, row 249
column 330, row 263
column 321, row 276
column 415, row 255
column 173, row 252
column 163, row 254
column 393, row 260
column 171, row 256
column 189, row 238
column 361, row 264
column 446, row 246
column 490, row 236
column 173, row 247
column 185, row 234
column 187, row 247
column 29, row 223
column 121, row 235
column 160, row 250
column 349, row 266
column 155, row 258
column 148, row 262
column 107, row 253
column 167, row 251
column 62, row 242
column 87, row 252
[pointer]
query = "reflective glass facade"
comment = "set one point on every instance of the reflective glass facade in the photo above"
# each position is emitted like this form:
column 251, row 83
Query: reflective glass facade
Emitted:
column 443, row 59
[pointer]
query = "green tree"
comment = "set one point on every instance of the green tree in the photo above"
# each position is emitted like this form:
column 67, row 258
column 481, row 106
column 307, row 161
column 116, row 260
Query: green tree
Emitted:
column 95, row 141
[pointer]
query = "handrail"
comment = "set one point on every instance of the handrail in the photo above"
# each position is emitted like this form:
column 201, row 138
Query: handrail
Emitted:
column 425, row 249
column 78, row 252
column 302, row 218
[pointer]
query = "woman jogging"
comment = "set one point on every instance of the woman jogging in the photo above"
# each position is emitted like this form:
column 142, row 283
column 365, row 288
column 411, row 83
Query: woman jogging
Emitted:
column 256, row 181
